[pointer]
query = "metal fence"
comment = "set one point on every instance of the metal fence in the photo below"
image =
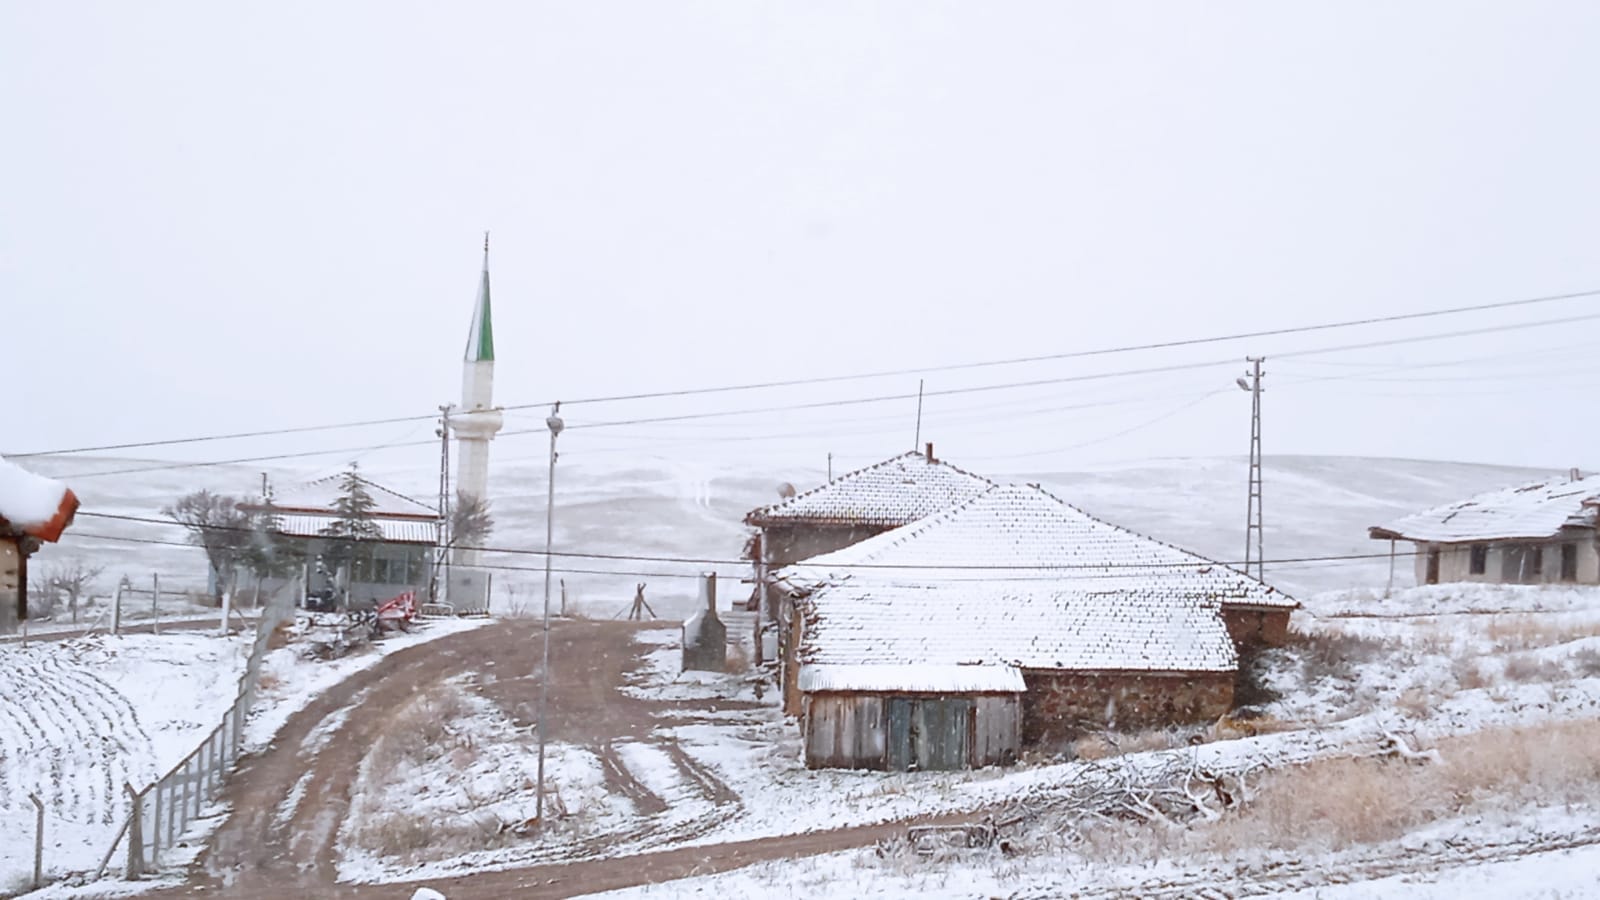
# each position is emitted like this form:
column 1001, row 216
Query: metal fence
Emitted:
column 161, row 812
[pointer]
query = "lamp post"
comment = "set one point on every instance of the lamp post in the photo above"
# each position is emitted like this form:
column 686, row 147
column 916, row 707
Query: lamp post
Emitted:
column 555, row 425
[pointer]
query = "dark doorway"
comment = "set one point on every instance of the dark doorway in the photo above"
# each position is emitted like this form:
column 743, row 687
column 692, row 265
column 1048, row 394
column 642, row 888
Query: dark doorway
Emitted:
column 1569, row 562
column 1433, row 566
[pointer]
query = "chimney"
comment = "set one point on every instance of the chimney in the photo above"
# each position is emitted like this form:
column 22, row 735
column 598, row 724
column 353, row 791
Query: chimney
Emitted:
column 930, row 451
column 708, row 587
column 1573, row 474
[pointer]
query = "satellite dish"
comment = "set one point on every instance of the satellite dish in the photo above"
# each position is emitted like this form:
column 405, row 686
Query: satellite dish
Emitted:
column 786, row 490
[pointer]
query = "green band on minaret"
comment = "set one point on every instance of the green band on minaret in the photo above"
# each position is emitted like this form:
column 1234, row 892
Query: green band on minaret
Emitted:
column 480, row 340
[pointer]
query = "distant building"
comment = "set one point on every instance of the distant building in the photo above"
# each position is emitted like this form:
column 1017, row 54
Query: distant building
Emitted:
column 1010, row 618
column 1539, row 533
column 33, row 510
column 401, row 560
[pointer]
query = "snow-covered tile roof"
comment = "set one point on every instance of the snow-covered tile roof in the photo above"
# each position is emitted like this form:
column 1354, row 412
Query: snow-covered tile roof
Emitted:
column 894, row 492
column 928, row 677
column 321, row 494
column 1017, row 577
column 400, row 531
column 1024, row 534
column 34, row 504
column 1537, row 510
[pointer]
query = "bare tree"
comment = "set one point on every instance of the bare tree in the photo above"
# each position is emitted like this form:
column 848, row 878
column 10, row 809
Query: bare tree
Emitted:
column 216, row 525
column 70, row 580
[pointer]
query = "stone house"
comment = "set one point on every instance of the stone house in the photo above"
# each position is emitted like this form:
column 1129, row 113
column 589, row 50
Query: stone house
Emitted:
column 851, row 508
column 1538, row 533
column 401, row 560
column 1017, row 620
column 34, row 510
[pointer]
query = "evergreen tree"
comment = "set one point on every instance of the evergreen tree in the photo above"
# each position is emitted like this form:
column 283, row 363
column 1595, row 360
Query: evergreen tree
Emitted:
column 353, row 526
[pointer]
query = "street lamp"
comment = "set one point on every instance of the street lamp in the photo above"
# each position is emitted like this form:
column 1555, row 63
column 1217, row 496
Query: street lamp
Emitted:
column 554, row 423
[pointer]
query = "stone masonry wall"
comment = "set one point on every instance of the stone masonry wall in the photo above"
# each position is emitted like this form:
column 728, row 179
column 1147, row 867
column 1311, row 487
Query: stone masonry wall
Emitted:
column 1061, row 706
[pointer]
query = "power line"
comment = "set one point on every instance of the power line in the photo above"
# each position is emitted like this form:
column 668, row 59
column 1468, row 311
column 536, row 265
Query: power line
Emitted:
column 1199, row 563
column 797, row 382
column 1082, row 354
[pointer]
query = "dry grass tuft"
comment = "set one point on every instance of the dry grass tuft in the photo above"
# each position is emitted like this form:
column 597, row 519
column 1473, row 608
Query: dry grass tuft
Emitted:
column 1525, row 632
column 1525, row 667
column 1337, row 803
column 1586, row 663
column 1336, row 655
column 1414, row 701
column 267, row 681
column 1469, row 674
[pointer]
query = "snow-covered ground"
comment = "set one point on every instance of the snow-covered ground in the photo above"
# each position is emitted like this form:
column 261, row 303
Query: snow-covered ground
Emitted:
column 80, row 717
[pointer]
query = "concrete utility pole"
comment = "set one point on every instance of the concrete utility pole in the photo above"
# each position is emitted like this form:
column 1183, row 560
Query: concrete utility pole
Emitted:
column 441, row 562
column 1253, row 530
column 555, row 425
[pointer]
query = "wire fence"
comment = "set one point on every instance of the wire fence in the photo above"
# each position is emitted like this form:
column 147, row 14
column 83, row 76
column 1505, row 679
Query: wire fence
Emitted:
column 160, row 813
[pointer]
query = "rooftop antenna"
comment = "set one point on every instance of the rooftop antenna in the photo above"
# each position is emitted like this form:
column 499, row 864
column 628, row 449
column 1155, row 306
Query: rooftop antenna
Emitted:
column 916, row 443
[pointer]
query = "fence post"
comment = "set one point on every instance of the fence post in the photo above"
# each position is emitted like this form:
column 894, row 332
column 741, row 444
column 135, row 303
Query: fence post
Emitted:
column 135, row 834
column 155, row 602
column 195, row 780
column 116, row 609
column 155, row 825
column 38, row 842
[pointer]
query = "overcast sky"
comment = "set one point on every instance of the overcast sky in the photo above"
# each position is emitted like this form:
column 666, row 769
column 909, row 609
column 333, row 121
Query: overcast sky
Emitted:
column 219, row 217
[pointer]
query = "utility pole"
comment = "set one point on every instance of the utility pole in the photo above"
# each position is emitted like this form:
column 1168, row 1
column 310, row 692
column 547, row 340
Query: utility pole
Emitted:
column 441, row 562
column 1253, row 530
column 916, row 442
column 554, row 423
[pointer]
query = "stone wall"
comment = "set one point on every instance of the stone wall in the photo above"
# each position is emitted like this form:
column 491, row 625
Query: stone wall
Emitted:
column 1061, row 706
column 1256, row 627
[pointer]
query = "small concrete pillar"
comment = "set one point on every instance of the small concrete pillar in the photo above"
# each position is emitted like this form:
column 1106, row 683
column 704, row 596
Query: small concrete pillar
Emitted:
column 705, row 637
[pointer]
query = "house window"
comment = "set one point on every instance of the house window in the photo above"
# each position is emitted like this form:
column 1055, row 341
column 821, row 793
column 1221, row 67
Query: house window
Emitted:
column 1480, row 559
column 1569, row 562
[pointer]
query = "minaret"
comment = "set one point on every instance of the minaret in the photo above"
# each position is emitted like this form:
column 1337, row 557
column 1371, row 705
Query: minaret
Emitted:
column 478, row 419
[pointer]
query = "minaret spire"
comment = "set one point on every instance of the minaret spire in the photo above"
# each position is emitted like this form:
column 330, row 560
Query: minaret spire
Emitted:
column 478, row 420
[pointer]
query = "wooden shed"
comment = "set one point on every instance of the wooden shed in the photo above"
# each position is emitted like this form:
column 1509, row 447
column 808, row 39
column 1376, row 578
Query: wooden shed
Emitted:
column 912, row 718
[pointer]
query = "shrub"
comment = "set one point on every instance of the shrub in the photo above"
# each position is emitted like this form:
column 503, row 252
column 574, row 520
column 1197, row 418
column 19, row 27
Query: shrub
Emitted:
column 1525, row 667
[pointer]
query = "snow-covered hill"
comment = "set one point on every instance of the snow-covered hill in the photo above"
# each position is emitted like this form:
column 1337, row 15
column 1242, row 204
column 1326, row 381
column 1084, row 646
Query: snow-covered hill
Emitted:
column 654, row 507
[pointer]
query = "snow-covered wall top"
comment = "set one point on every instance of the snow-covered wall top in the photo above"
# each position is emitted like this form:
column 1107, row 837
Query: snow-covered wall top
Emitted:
column 34, row 504
column 1537, row 510
column 891, row 493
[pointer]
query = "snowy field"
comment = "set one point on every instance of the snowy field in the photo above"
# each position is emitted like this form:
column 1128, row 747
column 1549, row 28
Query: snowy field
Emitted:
column 80, row 717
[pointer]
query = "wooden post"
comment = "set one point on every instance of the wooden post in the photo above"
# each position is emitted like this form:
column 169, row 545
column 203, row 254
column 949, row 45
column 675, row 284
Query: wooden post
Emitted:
column 116, row 609
column 155, row 824
column 761, row 580
column 1389, row 589
column 135, row 866
column 563, row 598
column 155, row 603
column 38, row 841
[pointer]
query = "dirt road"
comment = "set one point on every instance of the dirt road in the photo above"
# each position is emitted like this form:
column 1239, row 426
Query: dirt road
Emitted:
column 290, row 801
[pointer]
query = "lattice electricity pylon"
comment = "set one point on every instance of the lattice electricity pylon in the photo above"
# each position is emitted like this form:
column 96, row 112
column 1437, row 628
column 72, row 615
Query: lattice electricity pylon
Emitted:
column 1254, row 530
